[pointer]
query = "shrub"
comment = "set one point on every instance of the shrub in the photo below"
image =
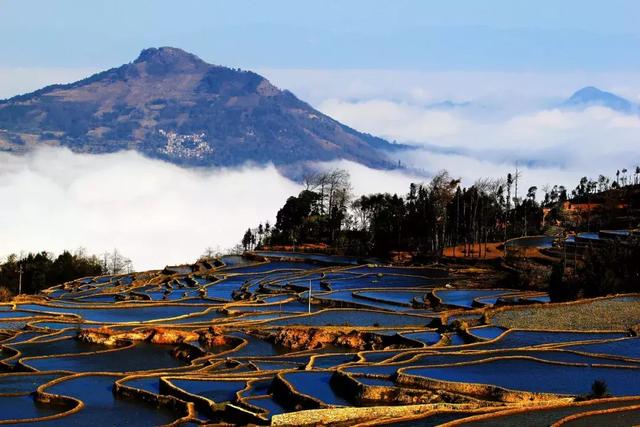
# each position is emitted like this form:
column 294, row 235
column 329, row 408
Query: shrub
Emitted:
column 5, row 294
column 599, row 388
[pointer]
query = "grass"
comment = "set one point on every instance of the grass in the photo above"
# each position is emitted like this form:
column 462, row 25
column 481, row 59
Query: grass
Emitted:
column 599, row 314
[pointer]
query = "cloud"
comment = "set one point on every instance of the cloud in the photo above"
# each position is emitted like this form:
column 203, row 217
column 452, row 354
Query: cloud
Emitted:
column 393, row 120
column 152, row 211
column 367, row 181
column 502, row 118
column 503, row 90
column 551, row 145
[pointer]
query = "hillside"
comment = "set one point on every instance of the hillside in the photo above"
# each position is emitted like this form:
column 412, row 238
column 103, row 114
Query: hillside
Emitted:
column 170, row 104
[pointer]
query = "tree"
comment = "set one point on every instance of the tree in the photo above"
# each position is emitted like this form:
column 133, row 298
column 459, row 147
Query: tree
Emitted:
column 210, row 253
column 260, row 233
column 246, row 239
column 115, row 263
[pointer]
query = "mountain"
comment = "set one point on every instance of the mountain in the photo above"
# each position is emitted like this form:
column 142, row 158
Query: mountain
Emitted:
column 592, row 96
column 448, row 105
column 170, row 104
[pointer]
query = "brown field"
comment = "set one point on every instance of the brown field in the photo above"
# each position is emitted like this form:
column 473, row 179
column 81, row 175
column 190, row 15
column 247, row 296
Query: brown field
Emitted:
column 597, row 314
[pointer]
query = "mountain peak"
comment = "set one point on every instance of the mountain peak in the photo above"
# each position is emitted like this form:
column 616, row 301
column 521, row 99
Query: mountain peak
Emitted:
column 592, row 96
column 169, row 56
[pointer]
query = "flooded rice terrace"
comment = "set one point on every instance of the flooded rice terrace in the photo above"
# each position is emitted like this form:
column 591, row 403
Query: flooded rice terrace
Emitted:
column 266, row 339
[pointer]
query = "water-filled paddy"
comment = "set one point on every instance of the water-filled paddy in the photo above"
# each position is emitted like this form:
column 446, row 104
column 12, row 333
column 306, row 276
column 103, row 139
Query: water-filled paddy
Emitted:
column 348, row 297
column 629, row 347
column 316, row 384
column 24, row 382
column 402, row 297
column 214, row 390
column 464, row 297
column 515, row 339
column 353, row 318
column 548, row 415
column 354, row 309
column 102, row 408
column 140, row 357
column 534, row 376
column 628, row 417
column 332, row 360
column 25, row 407
column 256, row 347
column 267, row 403
column 486, row 332
column 55, row 347
column 425, row 337
column 133, row 313
column 150, row 384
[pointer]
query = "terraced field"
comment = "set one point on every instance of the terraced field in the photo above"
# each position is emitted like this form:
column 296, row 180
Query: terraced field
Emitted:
column 288, row 339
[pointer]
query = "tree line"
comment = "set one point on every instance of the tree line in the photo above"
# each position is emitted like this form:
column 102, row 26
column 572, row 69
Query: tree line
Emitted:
column 429, row 217
column 36, row 271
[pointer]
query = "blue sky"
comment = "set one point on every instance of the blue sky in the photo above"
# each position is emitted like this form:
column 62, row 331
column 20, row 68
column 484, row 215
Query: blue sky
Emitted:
column 503, row 35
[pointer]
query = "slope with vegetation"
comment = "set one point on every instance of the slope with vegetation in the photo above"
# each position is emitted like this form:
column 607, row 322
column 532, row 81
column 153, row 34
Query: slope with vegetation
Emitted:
column 170, row 104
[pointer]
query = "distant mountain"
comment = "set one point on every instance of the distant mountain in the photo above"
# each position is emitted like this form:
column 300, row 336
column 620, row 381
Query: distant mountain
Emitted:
column 592, row 96
column 170, row 104
column 447, row 105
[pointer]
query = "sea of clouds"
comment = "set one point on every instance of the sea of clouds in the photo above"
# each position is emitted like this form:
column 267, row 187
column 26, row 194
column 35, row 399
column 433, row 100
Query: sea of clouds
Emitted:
column 483, row 124
column 157, row 213
column 154, row 212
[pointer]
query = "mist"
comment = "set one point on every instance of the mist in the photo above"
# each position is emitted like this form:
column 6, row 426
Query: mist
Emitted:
column 152, row 211
column 549, row 146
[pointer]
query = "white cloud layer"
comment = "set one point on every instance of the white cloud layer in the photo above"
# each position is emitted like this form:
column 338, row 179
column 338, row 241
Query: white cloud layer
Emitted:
column 552, row 146
column 154, row 212
column 496, row 89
